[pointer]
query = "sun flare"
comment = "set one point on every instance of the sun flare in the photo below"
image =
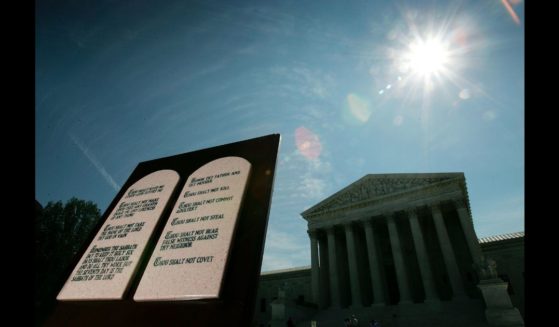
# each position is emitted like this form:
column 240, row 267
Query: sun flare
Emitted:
column 427, row 57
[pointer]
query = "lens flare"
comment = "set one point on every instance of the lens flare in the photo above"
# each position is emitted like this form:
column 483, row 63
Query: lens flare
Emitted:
column 511, row 11
column 398, row 120
column 307, row 143
column 358, row 107
column 464, row 94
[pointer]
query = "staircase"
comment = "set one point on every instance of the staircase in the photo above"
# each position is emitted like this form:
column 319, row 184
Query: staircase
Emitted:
column 464, row 313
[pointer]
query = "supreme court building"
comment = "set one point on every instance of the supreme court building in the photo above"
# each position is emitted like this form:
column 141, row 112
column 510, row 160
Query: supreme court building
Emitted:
column 399, row 248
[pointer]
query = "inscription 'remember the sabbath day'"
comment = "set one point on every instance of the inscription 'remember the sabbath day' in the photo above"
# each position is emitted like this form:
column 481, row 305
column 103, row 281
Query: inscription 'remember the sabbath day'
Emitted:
column 105, row 262
column 191, row 253
column 106, row 267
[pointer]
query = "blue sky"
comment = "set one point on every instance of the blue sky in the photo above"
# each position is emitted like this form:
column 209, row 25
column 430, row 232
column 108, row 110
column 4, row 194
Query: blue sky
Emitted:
column 354, row 88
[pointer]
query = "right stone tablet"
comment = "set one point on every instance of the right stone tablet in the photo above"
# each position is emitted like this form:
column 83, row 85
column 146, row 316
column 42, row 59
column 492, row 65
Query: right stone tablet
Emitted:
column 191, row 254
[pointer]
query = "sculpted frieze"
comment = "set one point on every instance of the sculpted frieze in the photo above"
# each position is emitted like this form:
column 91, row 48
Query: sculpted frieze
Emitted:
column 369, row 189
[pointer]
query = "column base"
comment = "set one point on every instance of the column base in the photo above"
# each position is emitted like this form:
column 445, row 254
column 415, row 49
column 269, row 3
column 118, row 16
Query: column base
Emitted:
column 433, row 304
column 378, row 304
column 460, row 298
column 504, row 317
column 432, row 301
column 355, row 307
column 405, row 302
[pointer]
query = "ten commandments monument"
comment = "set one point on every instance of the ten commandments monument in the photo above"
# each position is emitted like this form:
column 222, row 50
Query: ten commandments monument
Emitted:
column 180, row 245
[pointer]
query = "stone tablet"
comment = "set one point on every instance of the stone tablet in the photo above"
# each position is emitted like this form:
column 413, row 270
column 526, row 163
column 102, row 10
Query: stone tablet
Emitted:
column 192, row 252
column 106, row 268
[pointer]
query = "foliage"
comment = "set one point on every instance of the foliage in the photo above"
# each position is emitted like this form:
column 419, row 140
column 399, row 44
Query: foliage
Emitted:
column 60, row 232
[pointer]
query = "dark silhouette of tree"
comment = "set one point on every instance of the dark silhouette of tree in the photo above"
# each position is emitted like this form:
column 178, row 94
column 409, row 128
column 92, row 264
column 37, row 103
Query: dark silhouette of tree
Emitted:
column 60, row 232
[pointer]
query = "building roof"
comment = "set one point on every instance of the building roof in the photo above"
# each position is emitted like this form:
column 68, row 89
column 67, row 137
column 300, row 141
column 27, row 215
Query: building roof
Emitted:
column 501, row 237
column 373, row 186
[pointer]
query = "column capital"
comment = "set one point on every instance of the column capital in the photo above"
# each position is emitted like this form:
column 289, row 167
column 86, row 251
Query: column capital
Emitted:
column 348, row 223
column 312, row 233
column 366, row 221
column 436, row 206
column 412, row 211
column 459, row 203
column 389, row 215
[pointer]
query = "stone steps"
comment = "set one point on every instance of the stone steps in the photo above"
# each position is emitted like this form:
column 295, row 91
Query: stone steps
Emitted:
column 466, row 313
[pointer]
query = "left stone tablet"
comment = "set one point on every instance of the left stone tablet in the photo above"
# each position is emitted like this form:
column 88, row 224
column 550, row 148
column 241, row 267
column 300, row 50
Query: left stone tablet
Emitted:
column 106, row 268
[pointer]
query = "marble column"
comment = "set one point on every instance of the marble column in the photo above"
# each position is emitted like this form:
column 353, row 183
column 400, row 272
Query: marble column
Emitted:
column 334, row 282
column 353, row 273
column 324, row 273
column 403, row 285
column 374, row 264
column 448, row 252
column 314, row 266
column 422, row 257
column 468, row 228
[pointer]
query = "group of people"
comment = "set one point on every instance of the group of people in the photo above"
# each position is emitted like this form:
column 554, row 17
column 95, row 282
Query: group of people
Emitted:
column 353, row 321
column 348, row 322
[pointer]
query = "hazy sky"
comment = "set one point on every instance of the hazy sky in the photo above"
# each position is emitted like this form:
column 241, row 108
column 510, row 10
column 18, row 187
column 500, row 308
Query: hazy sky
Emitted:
column 353, row 87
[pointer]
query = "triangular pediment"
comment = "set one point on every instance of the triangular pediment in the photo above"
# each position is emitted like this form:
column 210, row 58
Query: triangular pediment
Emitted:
column 374, row 186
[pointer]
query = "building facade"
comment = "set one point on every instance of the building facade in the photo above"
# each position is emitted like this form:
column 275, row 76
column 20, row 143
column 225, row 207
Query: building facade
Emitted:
column 508, row 252
column 388, row 245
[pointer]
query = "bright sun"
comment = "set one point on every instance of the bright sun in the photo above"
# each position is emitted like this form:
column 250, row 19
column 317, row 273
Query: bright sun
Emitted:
column 427, row 57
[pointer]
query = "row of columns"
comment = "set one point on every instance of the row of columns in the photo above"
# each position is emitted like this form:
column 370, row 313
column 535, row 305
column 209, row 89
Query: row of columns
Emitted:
column 375, row 264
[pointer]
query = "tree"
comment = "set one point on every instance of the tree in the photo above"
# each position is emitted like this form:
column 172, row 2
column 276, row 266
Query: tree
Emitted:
column 60, row 232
